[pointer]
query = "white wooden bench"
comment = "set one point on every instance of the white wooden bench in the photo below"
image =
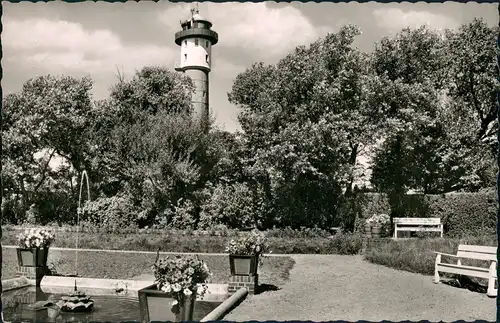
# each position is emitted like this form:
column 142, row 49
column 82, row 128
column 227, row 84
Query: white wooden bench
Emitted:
column 470, row 252
column 417, row 224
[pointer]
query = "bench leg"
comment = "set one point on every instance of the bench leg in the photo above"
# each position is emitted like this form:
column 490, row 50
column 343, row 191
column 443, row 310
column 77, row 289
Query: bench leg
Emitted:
column 436, row 272
column 492, row 292
column 395, row 231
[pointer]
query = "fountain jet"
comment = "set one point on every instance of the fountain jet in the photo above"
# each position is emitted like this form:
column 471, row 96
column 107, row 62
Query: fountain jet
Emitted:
column 79, row 210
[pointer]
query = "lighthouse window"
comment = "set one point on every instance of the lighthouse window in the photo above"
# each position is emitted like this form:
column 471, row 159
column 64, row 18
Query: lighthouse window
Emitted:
column 196, row 41
column 185, row 56
column 206, row 58
column 185, row 43
column 207, row 43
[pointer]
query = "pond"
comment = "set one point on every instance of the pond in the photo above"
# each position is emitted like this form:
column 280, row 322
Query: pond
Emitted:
column 113, row 308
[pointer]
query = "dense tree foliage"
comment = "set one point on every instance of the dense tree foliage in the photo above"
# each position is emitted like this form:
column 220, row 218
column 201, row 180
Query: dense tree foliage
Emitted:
column 46, row 119
column 305, row 121
column 449, row 145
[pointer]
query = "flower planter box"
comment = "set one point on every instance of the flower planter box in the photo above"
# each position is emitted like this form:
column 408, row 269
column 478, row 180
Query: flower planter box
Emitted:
column 243, row 265
column 156, row 305
column 376, row 231
column 32, row 257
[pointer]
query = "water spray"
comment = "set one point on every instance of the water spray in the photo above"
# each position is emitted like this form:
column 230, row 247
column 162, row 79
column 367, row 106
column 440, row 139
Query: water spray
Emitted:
column 79, row 210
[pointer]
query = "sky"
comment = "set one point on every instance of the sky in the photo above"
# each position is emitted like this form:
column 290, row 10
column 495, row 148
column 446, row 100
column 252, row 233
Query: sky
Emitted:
column 96, row 39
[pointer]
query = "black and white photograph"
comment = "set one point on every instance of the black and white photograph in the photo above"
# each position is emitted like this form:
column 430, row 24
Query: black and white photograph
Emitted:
column 249, row 161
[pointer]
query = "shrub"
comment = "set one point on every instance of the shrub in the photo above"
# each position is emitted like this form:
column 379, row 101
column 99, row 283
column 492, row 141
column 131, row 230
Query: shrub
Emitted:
column 11, row 211
column 219, row 230
column 180, row 216
column 32, row 215
column 230, row 204
column 303, row 232
column 111, row 213
column 346, row 244
column 349, row 212
column 55, row 206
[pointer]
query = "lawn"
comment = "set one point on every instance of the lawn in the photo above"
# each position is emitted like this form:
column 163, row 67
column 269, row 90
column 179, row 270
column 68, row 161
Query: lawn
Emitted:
column 98, row 264
column 338, row 244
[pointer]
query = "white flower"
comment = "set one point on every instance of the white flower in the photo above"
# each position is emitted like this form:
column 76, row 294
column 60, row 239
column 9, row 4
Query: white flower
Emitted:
column 174, row 302
column 167, row 288
column 177, row 287
column 201, row 289
column 187, row 292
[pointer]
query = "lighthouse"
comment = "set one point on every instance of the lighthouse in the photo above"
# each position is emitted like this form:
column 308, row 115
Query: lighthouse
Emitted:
column 196, row 40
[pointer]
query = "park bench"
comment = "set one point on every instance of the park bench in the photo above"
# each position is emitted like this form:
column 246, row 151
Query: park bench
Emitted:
column 470, row 252
column 417, row 224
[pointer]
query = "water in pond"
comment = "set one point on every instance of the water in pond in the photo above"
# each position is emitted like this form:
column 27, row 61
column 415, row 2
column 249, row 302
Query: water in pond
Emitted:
column 18, row 308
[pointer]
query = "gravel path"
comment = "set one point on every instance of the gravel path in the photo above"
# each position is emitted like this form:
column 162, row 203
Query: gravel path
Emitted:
column 333, row 287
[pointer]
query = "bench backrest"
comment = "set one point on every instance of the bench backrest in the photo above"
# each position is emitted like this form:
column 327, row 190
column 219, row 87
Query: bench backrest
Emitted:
column 477, row 252
column 417, row 221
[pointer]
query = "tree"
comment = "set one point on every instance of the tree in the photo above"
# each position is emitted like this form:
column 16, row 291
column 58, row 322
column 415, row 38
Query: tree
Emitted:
column 472, row 107
column 305, row 120
column 436, row 153
column 149, row 149
column 48, row 116
column 120, row 120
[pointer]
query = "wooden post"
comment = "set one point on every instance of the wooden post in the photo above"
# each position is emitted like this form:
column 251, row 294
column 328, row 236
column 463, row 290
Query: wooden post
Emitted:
column 436, row 272
column 491, row 280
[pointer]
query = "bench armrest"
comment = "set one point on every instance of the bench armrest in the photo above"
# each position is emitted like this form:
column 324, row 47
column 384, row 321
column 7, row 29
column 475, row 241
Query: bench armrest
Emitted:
column 446, row 254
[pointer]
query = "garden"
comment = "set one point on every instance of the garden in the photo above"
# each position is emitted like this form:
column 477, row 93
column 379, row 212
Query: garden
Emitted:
column 467, row 218
column 289, row 184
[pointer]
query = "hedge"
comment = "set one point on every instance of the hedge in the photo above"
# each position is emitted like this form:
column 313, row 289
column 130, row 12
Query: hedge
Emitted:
column 463, row 214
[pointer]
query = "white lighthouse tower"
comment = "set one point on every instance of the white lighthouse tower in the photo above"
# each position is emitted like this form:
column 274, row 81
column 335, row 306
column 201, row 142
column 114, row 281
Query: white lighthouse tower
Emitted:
column 196, row 40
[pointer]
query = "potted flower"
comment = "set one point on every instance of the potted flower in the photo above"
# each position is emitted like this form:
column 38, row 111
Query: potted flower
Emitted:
column 244, row 253
column 177, row 282
column 380, row 221
column 34, row 247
